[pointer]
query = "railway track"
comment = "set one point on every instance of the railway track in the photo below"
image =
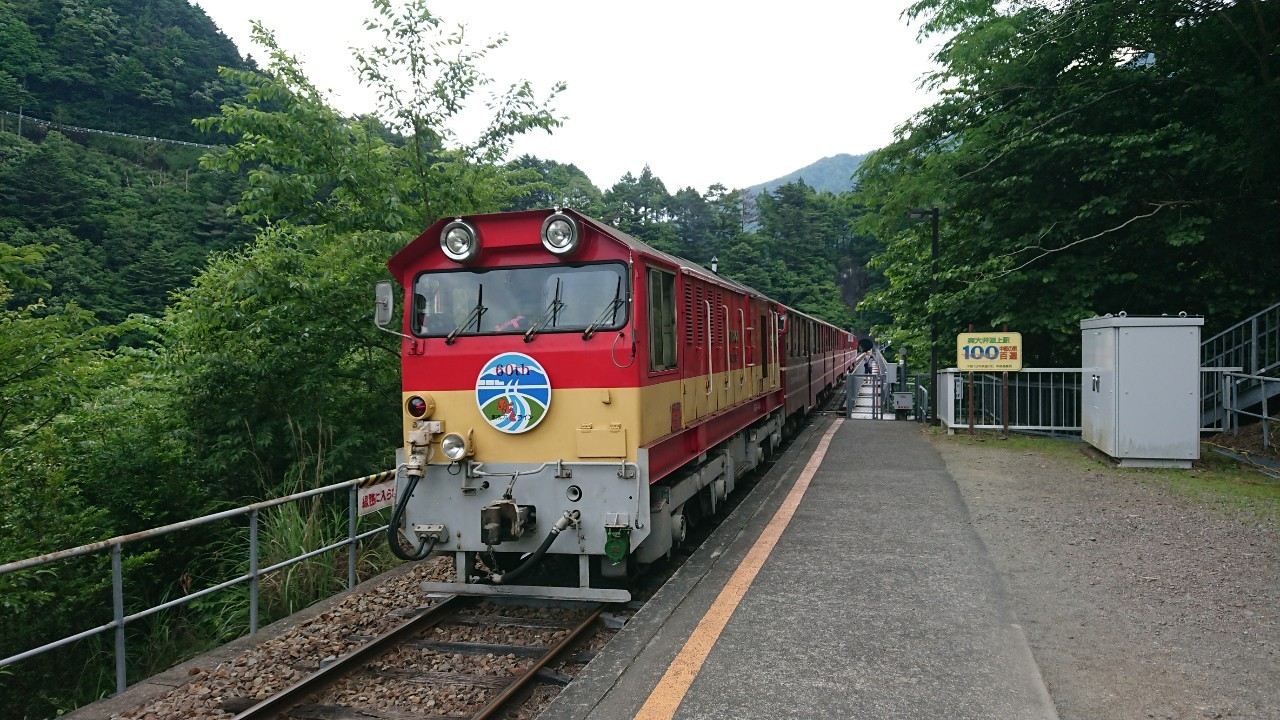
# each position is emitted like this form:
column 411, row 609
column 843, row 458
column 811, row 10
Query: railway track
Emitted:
column 459, row 658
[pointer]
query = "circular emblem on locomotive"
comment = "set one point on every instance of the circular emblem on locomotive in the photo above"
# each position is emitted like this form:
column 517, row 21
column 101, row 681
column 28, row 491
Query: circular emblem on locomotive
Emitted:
column 513, row 392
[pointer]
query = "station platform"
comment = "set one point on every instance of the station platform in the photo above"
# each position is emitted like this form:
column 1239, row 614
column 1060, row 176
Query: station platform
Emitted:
column 849, row 585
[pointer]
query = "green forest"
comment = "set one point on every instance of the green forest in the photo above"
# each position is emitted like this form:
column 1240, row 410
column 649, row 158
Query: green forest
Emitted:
column 186, row 329
column 1086, row 158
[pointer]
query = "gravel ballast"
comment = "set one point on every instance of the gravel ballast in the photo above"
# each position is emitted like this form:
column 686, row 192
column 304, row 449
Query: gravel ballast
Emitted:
column 1138, row 601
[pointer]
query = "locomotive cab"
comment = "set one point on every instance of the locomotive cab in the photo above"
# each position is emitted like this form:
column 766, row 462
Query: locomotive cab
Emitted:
column 561, row 378
column 521, row 417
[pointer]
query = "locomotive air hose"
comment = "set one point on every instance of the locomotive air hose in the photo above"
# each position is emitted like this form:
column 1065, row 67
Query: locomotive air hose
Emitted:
column 393, row 529
column 529, row 562
column 533, row 558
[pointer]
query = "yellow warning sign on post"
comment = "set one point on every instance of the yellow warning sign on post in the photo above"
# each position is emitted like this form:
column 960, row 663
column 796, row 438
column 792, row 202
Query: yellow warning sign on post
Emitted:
column 989, row 352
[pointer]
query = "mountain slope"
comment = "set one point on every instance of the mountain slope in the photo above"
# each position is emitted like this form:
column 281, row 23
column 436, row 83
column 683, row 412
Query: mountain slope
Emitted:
column 833, row 174
column 145, row 67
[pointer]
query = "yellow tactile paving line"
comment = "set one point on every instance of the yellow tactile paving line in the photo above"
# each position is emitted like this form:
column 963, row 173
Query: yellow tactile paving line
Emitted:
column 666, row 697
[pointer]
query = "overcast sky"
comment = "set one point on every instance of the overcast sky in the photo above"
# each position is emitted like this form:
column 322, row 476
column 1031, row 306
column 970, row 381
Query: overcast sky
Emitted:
column 702, row 91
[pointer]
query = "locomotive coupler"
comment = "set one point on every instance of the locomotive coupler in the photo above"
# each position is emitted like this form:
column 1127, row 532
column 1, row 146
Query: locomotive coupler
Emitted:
column 505, row 521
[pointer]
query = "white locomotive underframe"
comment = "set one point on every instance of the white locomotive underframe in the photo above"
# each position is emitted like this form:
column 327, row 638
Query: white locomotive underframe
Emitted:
column 612, row 494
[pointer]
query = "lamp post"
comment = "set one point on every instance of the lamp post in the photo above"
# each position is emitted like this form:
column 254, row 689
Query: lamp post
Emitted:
column 933, row 316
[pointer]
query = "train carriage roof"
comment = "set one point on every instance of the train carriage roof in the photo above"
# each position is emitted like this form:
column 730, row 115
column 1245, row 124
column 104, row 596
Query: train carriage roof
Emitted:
column 686, row 265
column 429, row 239
column 691, row 267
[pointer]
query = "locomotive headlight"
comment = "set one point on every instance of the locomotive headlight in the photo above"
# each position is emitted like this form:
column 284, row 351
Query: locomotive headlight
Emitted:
column 454, row 446
column 560, row 234
column 460, row 242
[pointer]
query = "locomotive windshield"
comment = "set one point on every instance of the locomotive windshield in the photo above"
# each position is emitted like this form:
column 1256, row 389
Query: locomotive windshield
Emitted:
column 543, row 299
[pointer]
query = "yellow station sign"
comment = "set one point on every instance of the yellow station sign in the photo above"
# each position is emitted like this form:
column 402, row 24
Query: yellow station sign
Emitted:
column 989, row 352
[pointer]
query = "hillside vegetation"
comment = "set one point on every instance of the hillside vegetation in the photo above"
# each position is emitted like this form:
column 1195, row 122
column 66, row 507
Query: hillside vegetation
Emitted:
column 117, row 224
column 144, row 67
column 1087, row 158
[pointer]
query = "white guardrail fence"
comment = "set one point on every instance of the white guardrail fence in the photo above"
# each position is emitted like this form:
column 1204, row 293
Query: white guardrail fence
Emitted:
column 1046, row 400
column 366, row 494
column 1037, row 399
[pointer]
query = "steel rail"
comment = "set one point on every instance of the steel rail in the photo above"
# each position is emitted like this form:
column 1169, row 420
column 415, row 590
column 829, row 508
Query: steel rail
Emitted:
column 552, row 653
column 287, row 699
column 281, row 702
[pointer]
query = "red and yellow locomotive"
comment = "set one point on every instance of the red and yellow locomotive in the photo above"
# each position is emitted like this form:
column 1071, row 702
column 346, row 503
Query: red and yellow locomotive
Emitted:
column 563, row 378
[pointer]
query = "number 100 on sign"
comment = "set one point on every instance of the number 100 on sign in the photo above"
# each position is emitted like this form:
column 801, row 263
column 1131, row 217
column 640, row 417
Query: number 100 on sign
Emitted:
column 988, row 352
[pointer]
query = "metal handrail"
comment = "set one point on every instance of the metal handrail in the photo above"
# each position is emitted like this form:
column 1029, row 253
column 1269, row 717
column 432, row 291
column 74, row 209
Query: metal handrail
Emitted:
column 921, row 400
column 1252, row 344
column 1270, row 318
column 116, row 545
column 883, row 398
column 1232, row 381
column 1040, row 400
column 855, row 379
column 1043, row 399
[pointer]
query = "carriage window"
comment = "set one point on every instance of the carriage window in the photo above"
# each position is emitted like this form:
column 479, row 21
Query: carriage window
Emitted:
column 555, row 298
column 662, row 320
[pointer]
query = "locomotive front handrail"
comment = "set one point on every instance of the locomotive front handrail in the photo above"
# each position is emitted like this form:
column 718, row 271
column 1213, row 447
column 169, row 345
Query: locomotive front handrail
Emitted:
column 613, row 353
column 477, row 469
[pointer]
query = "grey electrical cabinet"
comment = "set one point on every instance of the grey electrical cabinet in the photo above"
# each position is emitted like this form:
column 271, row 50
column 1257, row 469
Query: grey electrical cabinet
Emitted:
column 1141, row 388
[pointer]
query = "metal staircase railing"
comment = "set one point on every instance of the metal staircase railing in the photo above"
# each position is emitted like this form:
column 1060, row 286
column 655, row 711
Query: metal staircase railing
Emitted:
column 867, row 395
column 1252, row 345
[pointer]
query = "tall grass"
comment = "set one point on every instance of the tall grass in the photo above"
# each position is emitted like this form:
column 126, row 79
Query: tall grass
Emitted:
column 68, row 677
column 288, row 531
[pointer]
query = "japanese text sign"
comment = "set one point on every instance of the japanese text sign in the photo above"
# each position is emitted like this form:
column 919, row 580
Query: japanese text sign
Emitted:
column 988, row 352
column 376, row 497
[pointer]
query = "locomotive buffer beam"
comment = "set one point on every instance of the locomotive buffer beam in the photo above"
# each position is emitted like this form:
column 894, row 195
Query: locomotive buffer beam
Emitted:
column 546, row 592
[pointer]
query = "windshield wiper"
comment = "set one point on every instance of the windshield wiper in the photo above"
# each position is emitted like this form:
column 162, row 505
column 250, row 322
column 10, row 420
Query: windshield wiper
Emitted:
column 475, row 314
column 553, row 309
column 610, row 311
